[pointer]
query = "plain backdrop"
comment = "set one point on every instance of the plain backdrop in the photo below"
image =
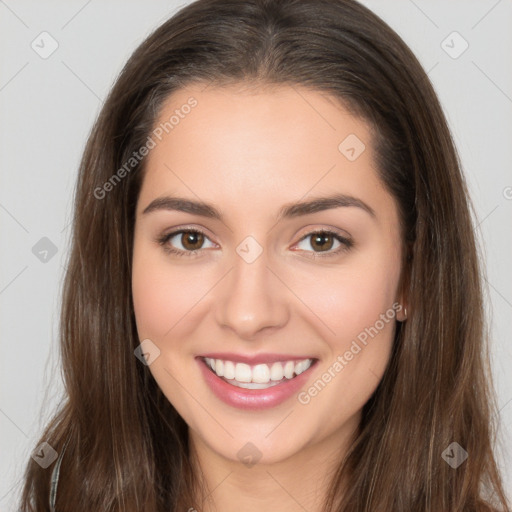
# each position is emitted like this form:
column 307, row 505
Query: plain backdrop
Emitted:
column 48, row 104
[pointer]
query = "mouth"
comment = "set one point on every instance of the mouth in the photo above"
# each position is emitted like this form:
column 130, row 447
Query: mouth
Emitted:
column 257, row 386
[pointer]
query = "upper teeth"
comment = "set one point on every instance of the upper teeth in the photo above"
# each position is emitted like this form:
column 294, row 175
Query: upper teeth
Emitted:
column 260, row 373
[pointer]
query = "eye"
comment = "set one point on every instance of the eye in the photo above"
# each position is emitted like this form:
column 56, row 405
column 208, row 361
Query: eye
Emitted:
column 190, row 240
column 323, row 241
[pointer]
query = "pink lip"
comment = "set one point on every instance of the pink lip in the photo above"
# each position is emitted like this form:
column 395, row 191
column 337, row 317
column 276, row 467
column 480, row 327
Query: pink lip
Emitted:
column 252, row 399
column 255, row 359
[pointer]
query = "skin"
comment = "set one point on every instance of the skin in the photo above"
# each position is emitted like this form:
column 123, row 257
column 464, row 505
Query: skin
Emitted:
column 248, row 152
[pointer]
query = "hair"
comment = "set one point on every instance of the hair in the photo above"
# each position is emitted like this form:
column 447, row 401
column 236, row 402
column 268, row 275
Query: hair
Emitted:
column 127, row 446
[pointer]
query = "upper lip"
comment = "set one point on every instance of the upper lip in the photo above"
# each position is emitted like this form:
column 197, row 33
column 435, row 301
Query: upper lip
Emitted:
column 255, row 358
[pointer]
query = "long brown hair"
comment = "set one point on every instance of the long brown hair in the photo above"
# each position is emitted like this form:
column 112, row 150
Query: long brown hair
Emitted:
column 127, row 446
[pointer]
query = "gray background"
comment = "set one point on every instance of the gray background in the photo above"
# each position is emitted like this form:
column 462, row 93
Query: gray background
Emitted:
column 47, row 109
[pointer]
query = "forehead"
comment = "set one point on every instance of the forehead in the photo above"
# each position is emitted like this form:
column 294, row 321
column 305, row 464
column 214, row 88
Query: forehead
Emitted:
column 258, row 147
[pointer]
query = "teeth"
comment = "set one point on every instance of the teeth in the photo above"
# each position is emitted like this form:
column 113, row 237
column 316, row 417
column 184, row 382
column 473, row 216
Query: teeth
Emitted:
column 229, row 370
column 289, row 368
column 300, row 367
column 219, row 367
column 276, row 372
column 253, row 385
column 242, row 372
column 259, row 376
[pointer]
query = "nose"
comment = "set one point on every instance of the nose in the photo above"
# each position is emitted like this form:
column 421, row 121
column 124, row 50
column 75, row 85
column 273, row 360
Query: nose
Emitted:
column 252, row 300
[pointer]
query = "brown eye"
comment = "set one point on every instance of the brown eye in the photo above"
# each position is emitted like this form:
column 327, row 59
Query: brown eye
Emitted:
column 322, row 241
column 185, row 242
column 192, row 240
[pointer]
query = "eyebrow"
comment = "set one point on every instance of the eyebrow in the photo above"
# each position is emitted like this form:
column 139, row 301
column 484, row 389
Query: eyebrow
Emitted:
column 288, row 211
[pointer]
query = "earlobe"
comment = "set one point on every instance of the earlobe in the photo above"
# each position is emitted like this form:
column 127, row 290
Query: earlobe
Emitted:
column 401, row 311
column 401, row 314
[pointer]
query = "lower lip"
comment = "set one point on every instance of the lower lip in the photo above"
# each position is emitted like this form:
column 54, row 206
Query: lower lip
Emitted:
column 253, row 399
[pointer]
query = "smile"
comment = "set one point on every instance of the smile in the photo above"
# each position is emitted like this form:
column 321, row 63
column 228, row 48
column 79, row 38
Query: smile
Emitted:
column 260, row 376
column 255, row 387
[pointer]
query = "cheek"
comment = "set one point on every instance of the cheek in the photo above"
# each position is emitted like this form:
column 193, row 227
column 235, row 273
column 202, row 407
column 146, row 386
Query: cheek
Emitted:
column 153, row 304
column 358, row 307
column 354, row 314
column 163, row 293
column 349, row 298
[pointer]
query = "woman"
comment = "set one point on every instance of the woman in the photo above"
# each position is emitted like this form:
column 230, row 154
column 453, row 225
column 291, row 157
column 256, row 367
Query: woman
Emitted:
column 273, row 296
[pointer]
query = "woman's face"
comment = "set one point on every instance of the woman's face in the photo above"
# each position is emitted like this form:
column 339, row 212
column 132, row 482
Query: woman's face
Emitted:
column 272, row 284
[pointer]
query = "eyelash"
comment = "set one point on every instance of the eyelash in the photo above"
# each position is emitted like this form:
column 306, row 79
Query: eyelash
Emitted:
column 346, row 243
